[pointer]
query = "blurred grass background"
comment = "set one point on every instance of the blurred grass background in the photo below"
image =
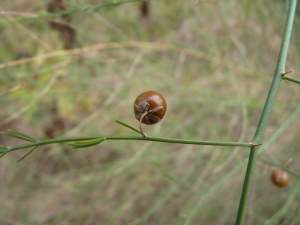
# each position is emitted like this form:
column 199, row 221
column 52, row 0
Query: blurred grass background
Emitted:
column 212, row 60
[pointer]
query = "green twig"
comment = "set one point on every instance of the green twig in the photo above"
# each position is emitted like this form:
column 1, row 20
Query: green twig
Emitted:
column 139, row 138
column 280, row 68
column 291, row 171
column 90, row 141
column 286, row 77
column 287, row 169
column 84, row 142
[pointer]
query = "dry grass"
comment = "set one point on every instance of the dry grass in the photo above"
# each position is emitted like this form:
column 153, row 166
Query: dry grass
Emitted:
column 212, row 60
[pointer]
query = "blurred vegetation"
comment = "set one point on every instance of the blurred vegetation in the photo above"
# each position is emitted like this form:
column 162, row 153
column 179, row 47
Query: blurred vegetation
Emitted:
column 61, row 76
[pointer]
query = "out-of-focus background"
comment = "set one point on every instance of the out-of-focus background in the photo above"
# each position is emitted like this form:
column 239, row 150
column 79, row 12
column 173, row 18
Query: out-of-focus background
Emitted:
column 61, row 76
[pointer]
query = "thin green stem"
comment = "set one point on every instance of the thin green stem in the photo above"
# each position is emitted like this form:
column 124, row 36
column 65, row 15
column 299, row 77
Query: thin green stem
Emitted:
column 286, row 77
column 280, row 68
column 291, row 172
column 140, row 138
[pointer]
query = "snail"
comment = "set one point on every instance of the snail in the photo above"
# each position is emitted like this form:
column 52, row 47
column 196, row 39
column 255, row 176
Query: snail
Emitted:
column 280, row 177
column 149, row 108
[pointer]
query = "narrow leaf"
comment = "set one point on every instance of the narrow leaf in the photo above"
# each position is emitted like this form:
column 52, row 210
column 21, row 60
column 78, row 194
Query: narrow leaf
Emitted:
column 128, row 126
column 4, row 152
column 88, row 143
column 27, row 154
column 3, row 147
column 16, row 136
column 23, row 134
column 19, row 135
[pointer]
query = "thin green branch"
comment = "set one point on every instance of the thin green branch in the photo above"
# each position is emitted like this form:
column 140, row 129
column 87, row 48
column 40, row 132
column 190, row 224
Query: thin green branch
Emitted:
column 197, row 142
column 286, row 77
column 90, row 141
column 282, row 167
column 280, row 68
column 291, row 171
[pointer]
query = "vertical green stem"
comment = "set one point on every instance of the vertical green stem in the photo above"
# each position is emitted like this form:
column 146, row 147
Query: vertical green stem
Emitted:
column 280, row 68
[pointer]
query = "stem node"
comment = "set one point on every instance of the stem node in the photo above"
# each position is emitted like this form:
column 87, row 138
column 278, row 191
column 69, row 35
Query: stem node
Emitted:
column 254, row 144
column 284, row 73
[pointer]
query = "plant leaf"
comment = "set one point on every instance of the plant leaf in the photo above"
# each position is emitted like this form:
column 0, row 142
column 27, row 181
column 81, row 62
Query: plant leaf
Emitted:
column 87, row 143
column 3, row 147
column 19, row 135
column 27, row 154
column 128, row 126
column 5, row 151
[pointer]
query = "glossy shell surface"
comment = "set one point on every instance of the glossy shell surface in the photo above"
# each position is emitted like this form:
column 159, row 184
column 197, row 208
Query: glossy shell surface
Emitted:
column 153, row 103
column 280, row 177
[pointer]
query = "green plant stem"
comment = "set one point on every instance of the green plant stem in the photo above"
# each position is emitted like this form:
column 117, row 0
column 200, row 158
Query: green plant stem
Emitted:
column 286, row 77
column 280, row 68
column 140, row 138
